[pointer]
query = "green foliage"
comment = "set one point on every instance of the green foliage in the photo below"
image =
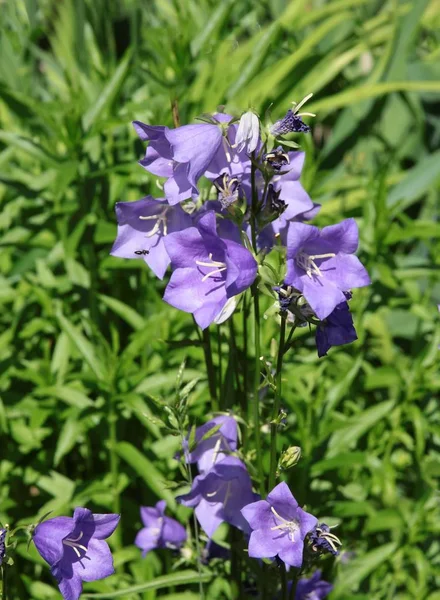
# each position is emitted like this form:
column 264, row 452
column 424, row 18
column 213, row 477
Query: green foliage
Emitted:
column 89, row 353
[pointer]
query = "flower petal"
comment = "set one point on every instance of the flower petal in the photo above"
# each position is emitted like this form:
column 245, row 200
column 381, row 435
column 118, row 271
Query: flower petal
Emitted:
column 147, row 539
column 70, row 588
column 48, row 538
column 97, row 563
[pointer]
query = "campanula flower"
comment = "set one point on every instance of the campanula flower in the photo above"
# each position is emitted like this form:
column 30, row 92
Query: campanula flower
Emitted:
column 142, row 227
column 321, row 264
column 207, row 270
column 219, row 495
column 182, row 155
column 216, row 447
column 75, row 548
column 159, row 531
column 336, row 330
column 313, row 588
column 279, row 527
column 248, row 133
column 292, row 122
column 323, row 540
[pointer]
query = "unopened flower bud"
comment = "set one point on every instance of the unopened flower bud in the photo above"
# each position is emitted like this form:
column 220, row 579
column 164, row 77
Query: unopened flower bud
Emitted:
column 289, row 458
column 248, row 132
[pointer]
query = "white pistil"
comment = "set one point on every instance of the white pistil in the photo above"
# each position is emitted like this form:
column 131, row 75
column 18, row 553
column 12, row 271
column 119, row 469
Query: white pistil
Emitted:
column 307, row 262
column 219, row 266
column 298, row 106
column 161, row 220
column 290, row 526
column 74, row 545
column 219, row 489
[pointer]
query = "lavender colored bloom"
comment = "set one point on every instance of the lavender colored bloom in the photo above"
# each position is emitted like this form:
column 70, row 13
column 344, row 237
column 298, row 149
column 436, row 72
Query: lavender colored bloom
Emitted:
column 216, row 447
column 207, row 270
column 159, row 531
column 142, row 227
column 219, row 495
column 321, row 265
column 322, row 540
column 75, row 548
column 182, row 155
column 313, row 588
column 248, row 133
column 279, row 527
column 336, row 330
column 2, row 545
column 228, row 159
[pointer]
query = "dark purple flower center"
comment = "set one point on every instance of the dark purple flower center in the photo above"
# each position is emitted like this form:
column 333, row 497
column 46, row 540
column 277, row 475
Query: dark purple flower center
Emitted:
column 322, row 539
column 307, row 262
column 277, row 159
column 290, row 527
column 215, row 267
column 75, row 545
column 228, row 189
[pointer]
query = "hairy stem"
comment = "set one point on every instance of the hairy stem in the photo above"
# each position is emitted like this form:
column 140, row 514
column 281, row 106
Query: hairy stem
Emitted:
column 276, row 405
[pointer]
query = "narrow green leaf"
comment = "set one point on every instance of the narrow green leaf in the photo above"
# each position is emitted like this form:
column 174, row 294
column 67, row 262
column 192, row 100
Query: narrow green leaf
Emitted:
column 124, row 311
column 66, row 394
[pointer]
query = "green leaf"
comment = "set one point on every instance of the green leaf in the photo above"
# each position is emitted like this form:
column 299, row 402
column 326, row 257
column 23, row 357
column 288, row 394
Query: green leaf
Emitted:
column 183, row 578
column 133, row 318
column 67, row 439
column 67, row 394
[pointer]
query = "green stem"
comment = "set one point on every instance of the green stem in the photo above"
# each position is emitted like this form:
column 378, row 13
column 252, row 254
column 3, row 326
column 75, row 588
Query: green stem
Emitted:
column 256, row 297
column 220, row 374
column 284, row 584
column 276, row 405
column 4, row 591
column 114, row 466
column 210, row 368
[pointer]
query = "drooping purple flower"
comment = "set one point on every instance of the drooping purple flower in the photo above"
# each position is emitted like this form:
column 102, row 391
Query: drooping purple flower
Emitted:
column 219, row 495
column 160, row 531
column 142, row 227
column 207, row 270
column 248, row 132
column 216, row 447
column 323, row 540
column 2, row 545
column 228, row 158
column 313, row 588
column 292, row 122
column 75, row 548
column 182, row 155
column 321, row 264
column 279, row 527
column 336, row 330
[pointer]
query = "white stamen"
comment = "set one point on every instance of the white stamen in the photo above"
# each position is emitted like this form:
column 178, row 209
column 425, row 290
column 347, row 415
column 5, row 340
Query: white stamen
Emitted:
column 307, row 262
column 161, row 220
column 220, row 266
column 290, row 526
column 303, row 101
column 72, row 543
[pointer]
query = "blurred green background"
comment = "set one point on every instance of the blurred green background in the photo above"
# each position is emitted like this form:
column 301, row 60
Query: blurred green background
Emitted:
column 85, row 339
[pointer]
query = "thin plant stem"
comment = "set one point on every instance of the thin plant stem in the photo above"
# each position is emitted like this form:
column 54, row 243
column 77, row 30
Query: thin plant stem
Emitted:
column 114, row 465
column 276, row 405
column 3, row 591
column 210, row 368
column 220, row 374
column 255, row 294
column 284, row 584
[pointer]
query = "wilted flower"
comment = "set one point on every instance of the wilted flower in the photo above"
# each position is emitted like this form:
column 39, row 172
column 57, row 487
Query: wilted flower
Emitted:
column 142, row 227
column 182, row 155
column 277, row 158
column 248, row 133
column 321, row 265
column 292, row 122
column 211, row 449
column 228, row 189
column 279, row 527
column 323, row 540
column 336, row 330
column 313, row 588
column 207, row 270
column 159, row 531
column 2, row 545
column 75, row 548
column 219, row 495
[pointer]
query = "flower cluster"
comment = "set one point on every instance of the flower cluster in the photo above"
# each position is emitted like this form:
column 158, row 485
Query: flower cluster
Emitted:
column 225, row 184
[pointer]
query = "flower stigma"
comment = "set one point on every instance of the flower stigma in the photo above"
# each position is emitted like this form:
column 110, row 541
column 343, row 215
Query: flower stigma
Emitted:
column 161, row 221
column 307, row 262
column 291, row 527
column 218, row 267
column 73, row 543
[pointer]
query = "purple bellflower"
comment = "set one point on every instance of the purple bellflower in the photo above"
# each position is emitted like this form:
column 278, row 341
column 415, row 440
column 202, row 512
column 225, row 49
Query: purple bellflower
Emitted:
column 336, row 330
column 313, row 588
column 229, row 159
column 216, row 447
column 75, row 548
column 142, row 227
column 2, row 545
column 182, row 155
column 279, row 527
column 292, row 122
column 207, row 270
column 159, row 531
column 219, row 495
column 321, row 264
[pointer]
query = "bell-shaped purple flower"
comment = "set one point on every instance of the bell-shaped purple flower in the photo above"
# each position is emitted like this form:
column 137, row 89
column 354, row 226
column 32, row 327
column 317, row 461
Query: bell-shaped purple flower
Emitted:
column 207, row 270
column 313, row 588
column 182, row 155
column 279, row 527
column 229, row 159
column 336, row 330
column 142, row 227
column 159, row 531
column 219, row 495
column 321, row 264
column 75, row 548
column 216, row 447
